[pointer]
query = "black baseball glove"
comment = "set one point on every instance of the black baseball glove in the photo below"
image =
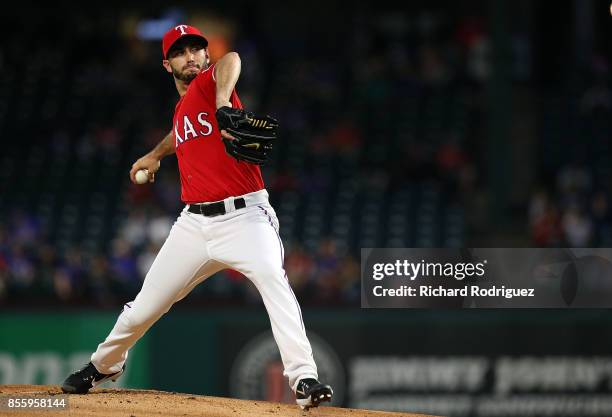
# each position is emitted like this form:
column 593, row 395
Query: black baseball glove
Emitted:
column 255, row 135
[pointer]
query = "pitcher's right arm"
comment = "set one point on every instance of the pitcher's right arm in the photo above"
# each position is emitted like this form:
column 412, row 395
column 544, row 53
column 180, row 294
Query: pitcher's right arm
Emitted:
column 151, row 161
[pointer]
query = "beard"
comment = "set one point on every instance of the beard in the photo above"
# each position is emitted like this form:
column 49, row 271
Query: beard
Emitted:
column 186, row 76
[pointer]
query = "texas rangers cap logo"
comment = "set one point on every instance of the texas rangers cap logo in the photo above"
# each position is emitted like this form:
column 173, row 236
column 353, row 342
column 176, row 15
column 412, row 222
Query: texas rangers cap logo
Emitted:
column 181, row 28
column 177, row 32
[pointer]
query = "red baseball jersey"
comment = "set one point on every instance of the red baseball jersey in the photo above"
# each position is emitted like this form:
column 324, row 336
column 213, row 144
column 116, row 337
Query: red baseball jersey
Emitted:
column 207, row 172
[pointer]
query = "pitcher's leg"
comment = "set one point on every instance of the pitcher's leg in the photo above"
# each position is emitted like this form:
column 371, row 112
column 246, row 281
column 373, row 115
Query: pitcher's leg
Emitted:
column 251, row 245
column 182, row 262
column 286, row 321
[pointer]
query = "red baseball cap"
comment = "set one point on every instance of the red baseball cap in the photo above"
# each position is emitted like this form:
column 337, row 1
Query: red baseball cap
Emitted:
column 177, row 33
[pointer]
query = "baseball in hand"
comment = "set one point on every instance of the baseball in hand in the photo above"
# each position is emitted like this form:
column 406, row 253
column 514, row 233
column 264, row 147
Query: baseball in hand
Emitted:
column 142, row 176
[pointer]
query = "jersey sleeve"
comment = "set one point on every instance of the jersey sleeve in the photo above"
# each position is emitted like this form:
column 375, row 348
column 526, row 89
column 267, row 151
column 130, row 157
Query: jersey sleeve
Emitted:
column 206, row 82
column 235, row 100
column 208, row 85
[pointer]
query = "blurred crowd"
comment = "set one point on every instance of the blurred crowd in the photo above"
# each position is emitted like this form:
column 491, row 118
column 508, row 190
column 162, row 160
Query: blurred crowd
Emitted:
column 571, row 208
column 34, row 272
column 572, row 214
column 394, row 100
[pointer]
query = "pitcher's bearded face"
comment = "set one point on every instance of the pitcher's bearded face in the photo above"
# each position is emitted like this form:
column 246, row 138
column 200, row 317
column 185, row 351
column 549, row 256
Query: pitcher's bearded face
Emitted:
column 187, row 73
column 187, row 58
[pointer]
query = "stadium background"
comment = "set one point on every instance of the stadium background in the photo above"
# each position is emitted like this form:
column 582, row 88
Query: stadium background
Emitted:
column 432, row 124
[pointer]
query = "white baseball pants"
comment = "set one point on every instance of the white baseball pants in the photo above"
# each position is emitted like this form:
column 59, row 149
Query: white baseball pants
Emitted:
column 246, row 240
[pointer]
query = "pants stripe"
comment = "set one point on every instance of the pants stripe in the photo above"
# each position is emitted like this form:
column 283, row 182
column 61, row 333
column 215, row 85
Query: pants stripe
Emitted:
column 282, row 250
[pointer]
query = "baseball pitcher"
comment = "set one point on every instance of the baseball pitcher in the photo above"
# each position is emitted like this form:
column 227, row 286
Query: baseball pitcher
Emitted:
column 227, row 221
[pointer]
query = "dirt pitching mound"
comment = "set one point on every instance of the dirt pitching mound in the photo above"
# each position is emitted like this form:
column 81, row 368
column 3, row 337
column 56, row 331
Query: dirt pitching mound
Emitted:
column 146, row 403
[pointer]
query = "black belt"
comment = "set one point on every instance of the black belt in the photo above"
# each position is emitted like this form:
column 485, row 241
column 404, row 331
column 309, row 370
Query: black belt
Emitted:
column 215, row 209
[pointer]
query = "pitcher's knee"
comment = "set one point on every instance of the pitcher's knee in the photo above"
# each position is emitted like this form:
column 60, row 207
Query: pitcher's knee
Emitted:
column 267, row 270
column 137, row 316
